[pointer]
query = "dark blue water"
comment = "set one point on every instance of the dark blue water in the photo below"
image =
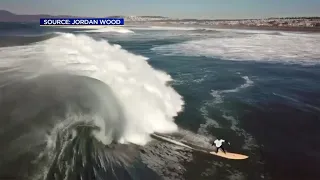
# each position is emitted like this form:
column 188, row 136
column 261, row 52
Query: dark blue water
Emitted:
column 267, row 110
column 280, row 109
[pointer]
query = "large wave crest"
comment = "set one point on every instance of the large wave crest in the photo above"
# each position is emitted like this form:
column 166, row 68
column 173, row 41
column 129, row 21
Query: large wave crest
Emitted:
column 148, row 104
column 70, row 93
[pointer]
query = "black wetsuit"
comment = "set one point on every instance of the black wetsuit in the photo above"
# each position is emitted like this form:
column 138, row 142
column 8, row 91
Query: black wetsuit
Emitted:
column 221, row 147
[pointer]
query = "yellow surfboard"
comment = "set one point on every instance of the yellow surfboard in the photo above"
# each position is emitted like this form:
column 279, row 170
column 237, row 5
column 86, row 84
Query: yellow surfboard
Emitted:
column 230, row 155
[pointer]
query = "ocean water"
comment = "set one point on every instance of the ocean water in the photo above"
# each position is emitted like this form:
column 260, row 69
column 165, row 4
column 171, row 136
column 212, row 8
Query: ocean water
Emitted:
column 81, row 103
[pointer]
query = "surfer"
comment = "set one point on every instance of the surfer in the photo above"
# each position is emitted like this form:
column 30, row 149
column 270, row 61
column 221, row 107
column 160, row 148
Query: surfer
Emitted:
column 219, row 144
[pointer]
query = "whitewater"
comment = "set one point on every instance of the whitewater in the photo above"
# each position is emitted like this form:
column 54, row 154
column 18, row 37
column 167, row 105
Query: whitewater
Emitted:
column 149, row 105
column 71, row 92
column 248, row 45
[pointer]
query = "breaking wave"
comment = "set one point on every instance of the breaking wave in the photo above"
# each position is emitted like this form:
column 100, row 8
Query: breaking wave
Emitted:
column 76, row 100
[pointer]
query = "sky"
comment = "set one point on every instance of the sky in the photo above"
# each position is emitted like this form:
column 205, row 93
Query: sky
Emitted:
column 213, row 9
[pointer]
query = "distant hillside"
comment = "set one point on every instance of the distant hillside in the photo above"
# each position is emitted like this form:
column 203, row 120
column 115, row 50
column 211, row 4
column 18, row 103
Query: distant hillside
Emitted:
column 6, row 16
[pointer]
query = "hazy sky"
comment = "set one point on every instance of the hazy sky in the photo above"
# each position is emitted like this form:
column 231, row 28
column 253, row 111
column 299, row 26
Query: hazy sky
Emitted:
column 170, row 8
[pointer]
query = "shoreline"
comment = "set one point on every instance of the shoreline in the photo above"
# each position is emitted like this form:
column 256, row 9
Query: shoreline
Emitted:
column 241, row 27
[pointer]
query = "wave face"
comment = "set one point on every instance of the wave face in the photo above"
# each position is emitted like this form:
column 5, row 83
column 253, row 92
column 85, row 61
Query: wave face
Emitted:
column 51, row 118
column 265, row 47
column 75, row 100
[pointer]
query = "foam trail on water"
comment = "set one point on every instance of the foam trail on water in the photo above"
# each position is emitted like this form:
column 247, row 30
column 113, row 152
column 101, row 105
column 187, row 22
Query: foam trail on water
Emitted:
column 248, row 82
column 218, row 96
column 148, row 104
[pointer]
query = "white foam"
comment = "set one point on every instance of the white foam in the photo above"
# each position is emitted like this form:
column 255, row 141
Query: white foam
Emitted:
column 148, row 103
column 218, row 94
column 249, row 141
column 110, row 29
column 163, row 28
column 248, row 82
column 97, row 29
column 209, row 121
column 245, row 31
column 285, row 48
column 218, row 99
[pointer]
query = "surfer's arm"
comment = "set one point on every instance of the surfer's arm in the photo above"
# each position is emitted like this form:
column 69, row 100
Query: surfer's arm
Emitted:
column 227, row 142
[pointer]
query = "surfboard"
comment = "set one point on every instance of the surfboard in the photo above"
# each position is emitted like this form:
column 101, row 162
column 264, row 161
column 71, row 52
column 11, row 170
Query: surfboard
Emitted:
column 227, row 155
column 230, row 155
